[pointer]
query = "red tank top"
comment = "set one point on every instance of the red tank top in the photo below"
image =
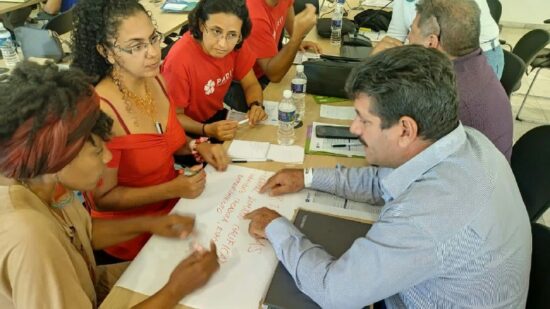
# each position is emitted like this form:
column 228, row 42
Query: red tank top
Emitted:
column 145, row 159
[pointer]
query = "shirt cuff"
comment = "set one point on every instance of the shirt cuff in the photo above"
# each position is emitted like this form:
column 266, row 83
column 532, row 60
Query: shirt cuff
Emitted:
column 308, row 177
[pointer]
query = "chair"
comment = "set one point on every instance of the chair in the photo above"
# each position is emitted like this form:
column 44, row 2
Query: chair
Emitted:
column 61, row 23
column 539, row 280
column 531, row 48
column 531, row 166
column 513, row 71
column 495, row 7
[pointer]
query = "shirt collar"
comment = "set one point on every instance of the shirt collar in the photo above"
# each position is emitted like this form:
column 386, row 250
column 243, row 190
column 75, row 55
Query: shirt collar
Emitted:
column 399, row 180
column 466, row 58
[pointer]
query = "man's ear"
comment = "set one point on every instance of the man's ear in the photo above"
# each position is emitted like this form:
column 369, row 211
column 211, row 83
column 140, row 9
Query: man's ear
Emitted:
column 433, row 41
column 409, row 131
column 105, row 53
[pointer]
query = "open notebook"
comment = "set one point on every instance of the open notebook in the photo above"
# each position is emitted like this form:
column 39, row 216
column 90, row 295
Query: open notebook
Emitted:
column 249, row 151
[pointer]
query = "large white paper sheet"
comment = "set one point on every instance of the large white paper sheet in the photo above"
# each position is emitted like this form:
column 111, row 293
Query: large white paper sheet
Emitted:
column 246, row 264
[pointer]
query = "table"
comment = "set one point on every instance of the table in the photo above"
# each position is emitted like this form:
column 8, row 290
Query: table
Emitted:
column 123, row 298
column 166, row 23
column 6, row 7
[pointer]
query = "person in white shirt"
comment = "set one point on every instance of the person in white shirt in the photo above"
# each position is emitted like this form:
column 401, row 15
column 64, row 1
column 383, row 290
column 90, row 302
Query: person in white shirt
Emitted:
column 404, row 12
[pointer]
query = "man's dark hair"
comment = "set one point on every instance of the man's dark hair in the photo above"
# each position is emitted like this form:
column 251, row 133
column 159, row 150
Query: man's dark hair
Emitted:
column 97, row 22
column 41, row 91
column 409, row 81
column 455, row 22
column 204, row 8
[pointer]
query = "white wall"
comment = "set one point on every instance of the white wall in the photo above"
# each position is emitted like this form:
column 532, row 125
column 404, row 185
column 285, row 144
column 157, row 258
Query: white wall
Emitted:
column 525, row 11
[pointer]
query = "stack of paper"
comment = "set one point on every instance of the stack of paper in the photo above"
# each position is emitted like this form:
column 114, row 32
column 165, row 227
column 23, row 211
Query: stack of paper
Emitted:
column 305, row 56
column 248, row 151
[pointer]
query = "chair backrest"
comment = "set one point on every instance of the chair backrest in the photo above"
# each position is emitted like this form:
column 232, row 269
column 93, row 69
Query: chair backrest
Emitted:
column 531, row 44
column 531, row 166
column 495, row 7
column 513, row 71
column 61, row 23
column 539, row 281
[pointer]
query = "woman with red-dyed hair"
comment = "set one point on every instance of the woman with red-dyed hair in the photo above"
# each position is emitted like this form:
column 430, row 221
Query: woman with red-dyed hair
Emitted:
column 52, row 135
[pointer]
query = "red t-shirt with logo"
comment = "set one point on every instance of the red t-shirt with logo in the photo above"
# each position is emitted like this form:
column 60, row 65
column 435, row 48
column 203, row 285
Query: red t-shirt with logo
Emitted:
column 197, row 81
column 267, row 26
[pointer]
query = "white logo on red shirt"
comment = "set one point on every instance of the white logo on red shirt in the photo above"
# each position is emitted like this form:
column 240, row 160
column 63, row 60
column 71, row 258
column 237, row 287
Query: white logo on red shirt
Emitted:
column 209, row 87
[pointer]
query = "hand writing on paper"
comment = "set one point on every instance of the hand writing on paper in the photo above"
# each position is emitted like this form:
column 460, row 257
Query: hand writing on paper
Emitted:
column 172, row 226
column 193, row 272
column 214, row 154
column 285, row 181
column 259, row 220
column 189, row 186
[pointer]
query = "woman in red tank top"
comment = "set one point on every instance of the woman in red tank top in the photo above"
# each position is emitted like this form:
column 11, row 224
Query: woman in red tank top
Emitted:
column 117, row 41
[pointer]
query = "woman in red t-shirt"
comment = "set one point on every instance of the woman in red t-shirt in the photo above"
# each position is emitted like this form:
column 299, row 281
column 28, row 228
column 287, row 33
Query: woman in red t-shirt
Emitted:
column 200, row 67
column 117, row 41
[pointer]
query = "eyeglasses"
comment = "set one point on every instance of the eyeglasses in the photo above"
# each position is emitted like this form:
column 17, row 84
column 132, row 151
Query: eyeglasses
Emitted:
column 216, row 33
column 141, row 48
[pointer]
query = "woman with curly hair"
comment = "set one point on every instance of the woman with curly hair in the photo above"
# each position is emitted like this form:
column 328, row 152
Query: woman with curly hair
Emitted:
column 117, row 42
column 52, row 135
column 201, row 66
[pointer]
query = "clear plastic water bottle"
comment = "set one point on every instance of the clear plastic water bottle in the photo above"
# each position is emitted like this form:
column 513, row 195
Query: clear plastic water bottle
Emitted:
column 287, row 113
column 298, row 86
column 336, row 24
column 9, row 53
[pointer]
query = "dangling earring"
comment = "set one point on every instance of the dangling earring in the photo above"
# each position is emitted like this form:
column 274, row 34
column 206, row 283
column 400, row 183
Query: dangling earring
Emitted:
column 61, row 196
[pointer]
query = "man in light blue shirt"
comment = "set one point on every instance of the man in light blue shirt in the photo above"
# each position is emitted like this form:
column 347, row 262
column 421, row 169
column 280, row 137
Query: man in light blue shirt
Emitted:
column 453, row 230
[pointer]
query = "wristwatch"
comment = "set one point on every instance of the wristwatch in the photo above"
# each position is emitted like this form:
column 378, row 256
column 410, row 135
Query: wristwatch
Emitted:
column 257, row 104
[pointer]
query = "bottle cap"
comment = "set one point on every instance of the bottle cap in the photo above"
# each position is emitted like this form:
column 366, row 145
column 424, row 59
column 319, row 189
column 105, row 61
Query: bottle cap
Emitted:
column 300, row 68
column 287, row 94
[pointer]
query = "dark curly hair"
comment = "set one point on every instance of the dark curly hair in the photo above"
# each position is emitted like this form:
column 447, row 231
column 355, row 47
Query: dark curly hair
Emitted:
column 97, row 22
column 204, row 8
column 38, row 91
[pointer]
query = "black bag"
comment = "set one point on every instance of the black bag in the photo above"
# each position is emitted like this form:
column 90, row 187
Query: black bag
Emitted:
column 327, row 75
column 323, row 27
column 374, row 19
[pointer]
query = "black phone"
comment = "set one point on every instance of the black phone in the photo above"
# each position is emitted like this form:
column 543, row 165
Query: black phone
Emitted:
column 334, row 132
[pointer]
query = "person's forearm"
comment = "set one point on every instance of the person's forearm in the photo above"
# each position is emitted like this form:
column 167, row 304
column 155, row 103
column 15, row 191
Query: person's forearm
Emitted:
column 357, row 184
column 106, row 233
column 190, row 125
column 253, row 93
column 124, row 198
column 52, row 7
column 279, row 65
column 164, row 298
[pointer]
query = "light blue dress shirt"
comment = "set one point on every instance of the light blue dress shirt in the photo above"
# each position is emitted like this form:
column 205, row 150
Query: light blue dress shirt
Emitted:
column 453, row 233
